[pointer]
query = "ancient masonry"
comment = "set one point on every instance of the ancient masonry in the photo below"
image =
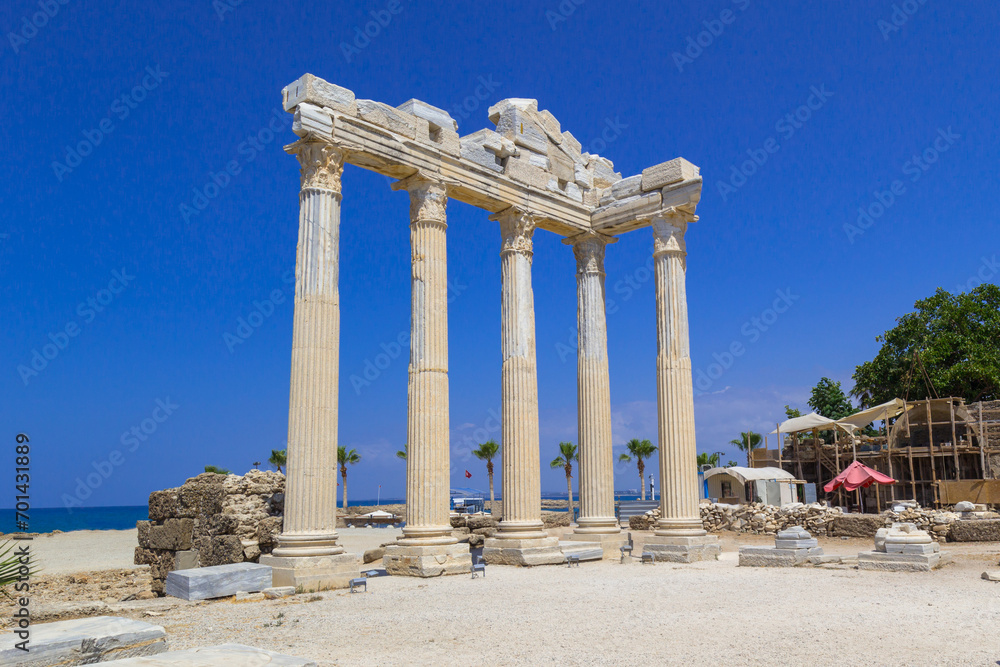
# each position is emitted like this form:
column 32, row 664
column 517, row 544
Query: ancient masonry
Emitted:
column 527, row 174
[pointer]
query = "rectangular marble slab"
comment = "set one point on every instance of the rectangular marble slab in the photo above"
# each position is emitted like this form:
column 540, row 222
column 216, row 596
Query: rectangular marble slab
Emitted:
column 796, row 544
column 225, row 655
column 84, row 641
column 218, row 581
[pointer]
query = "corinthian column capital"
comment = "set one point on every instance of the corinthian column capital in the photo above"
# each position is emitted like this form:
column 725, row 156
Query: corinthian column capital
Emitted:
column 668, row 234
column 321, row 164
column 588, row 248
column 428, row 198
column 517, row 228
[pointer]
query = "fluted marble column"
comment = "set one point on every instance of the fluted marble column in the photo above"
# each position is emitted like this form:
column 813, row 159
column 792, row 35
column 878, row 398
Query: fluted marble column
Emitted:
column 597, row 477
column 522, row 508
column 679, row 513
column 427, row 464
column 310, row 520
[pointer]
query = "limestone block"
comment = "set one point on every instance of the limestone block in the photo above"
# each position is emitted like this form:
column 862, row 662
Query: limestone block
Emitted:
column 624, row 207
column 857, row 525
column 770, row 557
column 993, row 575
column 276, row 592
column 582, row 177
column 582, row 550
column 427, row 561
column 981, row 530
column 224, row 655
column 311, row 120
column 574, row 192
column 433, row 115
column 175, row 534
column 163, row 505
column 523, row 172
column 386, row 117
column 627, row 187
column 537, row 160
column 682, row 549
column 572, row 146
column 561, row 165
column 474, row 151
column 525, row 553
column 373, row 555
column 551, row 125
column 186, row 560
column 603, row 170
column 686, row 193
column 83, row 641
column 610, row 543
column 897, row 562
column 666, row 173
column 523, row 104
column 482, row 521
column 965, row 506
column 219, row 550
column 523, row 130
column 218, row 581
column 142, row 530
column 316, row 91
column 313, row 573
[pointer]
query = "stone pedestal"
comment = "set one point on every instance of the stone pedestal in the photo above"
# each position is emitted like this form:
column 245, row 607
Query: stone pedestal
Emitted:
column 792, row 546
column 427, row 560
column 529, row 552
column 610, row 544
column 682, row 549
column 903, row 548
column 309, row 574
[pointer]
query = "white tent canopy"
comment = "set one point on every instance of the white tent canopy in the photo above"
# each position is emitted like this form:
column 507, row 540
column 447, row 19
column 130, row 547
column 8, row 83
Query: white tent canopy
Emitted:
column 881, row 412
column 808, row 422
column 745, row 474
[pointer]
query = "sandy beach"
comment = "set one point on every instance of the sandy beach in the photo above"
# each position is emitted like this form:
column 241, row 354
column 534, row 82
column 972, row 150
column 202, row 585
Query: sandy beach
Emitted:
column 599, row 613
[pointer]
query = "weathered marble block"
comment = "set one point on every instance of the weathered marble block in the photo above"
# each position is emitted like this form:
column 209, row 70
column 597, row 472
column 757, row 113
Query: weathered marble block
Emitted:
column 225, row 655
column 218, row 581
column 83, row 641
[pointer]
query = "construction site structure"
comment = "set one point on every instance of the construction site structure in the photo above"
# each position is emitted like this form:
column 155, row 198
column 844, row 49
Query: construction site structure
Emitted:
column 940, row 450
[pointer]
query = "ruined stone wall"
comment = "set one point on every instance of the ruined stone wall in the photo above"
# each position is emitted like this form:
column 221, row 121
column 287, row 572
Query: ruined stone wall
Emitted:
column 211, row 520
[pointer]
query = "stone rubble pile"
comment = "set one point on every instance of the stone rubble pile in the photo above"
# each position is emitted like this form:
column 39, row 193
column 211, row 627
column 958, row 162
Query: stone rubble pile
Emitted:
column 210, row 520
column 818, row 519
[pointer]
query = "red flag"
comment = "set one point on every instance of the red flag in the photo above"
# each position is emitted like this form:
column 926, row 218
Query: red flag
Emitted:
column 468, row 475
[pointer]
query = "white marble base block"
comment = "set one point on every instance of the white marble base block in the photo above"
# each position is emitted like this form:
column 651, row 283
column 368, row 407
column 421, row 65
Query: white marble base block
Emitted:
column 309, row 574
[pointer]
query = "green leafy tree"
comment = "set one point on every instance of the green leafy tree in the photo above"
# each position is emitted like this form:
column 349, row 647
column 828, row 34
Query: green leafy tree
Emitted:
column 567, row 454
column 748, row 441
column 956, row 337
column 708, row 459
column 217, row 470
column 731, row 464
column 639, row 450
column 486, row 452
column 829, row 400
column 792, row 413
column 279, row 458
column 346, row 456
column 404, row 452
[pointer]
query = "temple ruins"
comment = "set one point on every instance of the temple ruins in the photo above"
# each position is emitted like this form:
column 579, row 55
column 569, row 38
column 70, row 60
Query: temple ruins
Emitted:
column 527, row 174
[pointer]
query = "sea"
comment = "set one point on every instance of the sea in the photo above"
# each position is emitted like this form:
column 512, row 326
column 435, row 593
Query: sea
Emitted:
column 48, row 519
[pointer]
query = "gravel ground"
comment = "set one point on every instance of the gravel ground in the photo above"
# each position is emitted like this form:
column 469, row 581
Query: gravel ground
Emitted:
column 607, row 613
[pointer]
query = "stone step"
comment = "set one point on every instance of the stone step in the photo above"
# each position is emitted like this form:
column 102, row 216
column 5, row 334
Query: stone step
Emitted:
column 218, row 581
column 582, row 550
column 83, row 641
column 227, row 655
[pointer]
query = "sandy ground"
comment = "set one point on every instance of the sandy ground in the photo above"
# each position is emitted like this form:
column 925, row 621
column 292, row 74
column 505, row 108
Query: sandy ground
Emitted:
column 608, row 613
column 84, row 551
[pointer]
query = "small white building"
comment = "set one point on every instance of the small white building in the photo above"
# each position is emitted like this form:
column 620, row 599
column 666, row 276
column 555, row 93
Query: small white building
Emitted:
column 772, row 486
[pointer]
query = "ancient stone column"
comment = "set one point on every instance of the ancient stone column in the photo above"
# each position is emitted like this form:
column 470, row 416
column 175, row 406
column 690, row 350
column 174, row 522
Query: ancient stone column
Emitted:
column 428, row 547
column 597, row 478
column 307, row 554
column 680, row 532
column 310, row 517
column 428, row 478
column 522, row 504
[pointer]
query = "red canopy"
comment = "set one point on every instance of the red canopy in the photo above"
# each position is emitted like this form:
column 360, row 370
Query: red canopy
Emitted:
column 857, row 475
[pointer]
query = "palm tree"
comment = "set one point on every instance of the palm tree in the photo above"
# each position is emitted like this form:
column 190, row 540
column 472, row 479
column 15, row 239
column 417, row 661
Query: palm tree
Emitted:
column 708, row 459
column 731, row 464
column 748, row 442
column 639, row 450
column 279, row 458
column 567, row 454
column 217, row 470
column 345, row 456
column 485, row 452
column 11, row 569
column 402, row 453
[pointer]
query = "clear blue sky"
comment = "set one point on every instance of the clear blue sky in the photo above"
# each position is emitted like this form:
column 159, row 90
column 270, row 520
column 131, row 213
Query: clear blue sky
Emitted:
column 176, row 91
